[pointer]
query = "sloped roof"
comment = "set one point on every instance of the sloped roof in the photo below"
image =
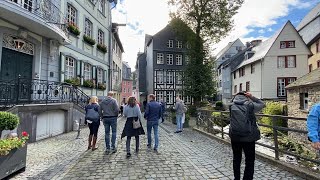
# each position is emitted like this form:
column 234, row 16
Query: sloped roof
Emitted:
column 309, row 79
column 228, row 61
column 225, row 49
column 314, row 13
column 262, row 49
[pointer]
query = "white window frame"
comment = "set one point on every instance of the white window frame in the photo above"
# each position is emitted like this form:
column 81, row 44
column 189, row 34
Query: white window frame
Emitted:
column 291, row 61
column 100, row 37
column 88, row 28
column 283, row 44
column 170, row 43
column 70, row 67
column 101, row 6
column 99, row 75
column 169, row 98
column 160, row 77
column 178, row 77
column 179, row 59
column 187, row 99
column 281, row 87
column 179, row 44
column 169, row 59
column 306, row 101
column 72, row 14
column 160, row 58
column 159, row 96
column 87, row 71
column 169, row 77
column 281, row 62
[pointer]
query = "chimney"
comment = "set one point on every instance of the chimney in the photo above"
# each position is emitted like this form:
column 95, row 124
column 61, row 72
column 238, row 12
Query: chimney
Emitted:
column 255, row 42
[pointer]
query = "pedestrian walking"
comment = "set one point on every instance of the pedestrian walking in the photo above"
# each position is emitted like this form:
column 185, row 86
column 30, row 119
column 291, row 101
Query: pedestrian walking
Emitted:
column 110, row 111
column 244, row 132
column 313, row 126
column 92, row 118
column 133, row 126
column 163, row 109
column 121, row 109
column 152, row 115
column 180, row 110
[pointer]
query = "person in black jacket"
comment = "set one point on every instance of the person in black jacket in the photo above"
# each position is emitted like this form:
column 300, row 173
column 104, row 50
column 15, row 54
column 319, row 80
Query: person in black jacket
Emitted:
column 242, row 113
column 93, row 123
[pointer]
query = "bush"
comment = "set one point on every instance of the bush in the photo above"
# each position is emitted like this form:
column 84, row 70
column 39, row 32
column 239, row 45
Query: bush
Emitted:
column 204, row 103
column 219, row 104
column 186, row 121
column 8, row 121
column 272, row 108
column 192, row 110
column 217, row 121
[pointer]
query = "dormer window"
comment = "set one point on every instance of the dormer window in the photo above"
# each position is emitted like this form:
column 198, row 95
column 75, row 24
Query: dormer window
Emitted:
column 287, row 44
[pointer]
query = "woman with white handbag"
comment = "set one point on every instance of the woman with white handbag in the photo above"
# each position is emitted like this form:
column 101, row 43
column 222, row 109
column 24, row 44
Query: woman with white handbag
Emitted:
column 133, row 126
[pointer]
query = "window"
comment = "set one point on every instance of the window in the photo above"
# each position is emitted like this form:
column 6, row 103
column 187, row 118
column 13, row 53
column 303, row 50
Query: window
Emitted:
column 242, row 72
column 304, row 99
column 99, row 75
column 179, row 44
column 318, row 63
column 72, row 14
column 179, row 59
column 235, row 89
column 286, row 61
column 170, row 59
column 238, row 48
column 160, row 59
column 100, row 37
column 159, row 95
column 248, row 86
column 317, row 47
column 253, row 69
column 159, row 77
column 124, row 90
column 187, row 99
column 70, row 67
column 88, row 28
column 240, row 87
column 170, row 44
column 310, row 67
column 169, row 77
column 287, row 44
column 228, row 56
column 186, row 59
column 282, row 83
column 87, row 71
column 27, row 4
column 234, row 74
column 169, row 97
column 179, row 78
column 101, row 6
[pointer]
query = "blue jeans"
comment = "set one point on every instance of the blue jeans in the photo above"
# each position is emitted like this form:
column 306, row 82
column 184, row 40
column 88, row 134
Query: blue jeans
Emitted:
column 110, row 122
column 179, row 122
column 154, row 125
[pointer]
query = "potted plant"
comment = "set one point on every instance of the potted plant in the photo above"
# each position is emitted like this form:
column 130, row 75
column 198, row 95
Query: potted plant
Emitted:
column 88, row 83
column 102, row 86
column 73, row 81
column 13, row 150
column 102, row 48
column 89, row 40
column 73, row 28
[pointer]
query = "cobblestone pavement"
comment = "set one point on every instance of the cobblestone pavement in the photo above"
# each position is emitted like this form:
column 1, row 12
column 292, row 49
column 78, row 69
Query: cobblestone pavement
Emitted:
column 50, row 158
column 187, row 155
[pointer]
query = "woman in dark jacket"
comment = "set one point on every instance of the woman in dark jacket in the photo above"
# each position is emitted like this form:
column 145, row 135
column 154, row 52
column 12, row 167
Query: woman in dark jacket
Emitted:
column 132, row 113
column 93, row 109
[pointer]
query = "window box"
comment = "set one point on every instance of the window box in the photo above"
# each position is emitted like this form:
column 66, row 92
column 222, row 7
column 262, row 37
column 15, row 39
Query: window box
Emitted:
column 102, row 48
column 73, row 81
column 89, row 40
column 88, row 84
column 73, row 28
column 102, row 86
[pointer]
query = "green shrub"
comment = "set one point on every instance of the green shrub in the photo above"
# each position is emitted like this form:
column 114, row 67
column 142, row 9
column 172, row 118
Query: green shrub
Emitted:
column 8, row 121
column 217, row 121
column 219, row 104
column 192, row 110
column 272, row 108
column 204, row 103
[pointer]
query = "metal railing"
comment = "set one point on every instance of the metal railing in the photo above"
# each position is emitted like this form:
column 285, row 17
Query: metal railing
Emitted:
column 34, row 91
column 207, row 122
column 44, row 9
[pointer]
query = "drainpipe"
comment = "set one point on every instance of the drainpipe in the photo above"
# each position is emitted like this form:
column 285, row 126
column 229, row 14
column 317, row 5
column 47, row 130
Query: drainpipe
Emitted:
column 261, row 76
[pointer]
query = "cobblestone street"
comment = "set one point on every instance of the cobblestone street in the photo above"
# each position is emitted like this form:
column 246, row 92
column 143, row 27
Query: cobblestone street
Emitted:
column 188, row 155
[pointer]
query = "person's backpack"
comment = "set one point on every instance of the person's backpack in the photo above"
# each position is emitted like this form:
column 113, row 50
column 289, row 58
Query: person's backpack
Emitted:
column 92, row 115
column 241, row 119
column 185, row 109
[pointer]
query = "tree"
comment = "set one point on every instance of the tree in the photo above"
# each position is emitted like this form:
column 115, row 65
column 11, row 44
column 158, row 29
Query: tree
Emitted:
column 201, row 22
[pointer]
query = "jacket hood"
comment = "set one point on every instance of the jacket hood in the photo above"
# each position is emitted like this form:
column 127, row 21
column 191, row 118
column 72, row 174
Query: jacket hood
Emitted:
column 240, row 99
column 106, row 101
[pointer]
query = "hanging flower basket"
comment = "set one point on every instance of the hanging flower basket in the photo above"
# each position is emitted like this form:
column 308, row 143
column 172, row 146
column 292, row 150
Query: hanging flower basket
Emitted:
column 102, row 48
column 89, row 40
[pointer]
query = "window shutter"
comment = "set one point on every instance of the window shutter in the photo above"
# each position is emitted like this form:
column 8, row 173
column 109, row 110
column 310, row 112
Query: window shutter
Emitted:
column 78, row 69
column 62, row 67
column 94, row 75
column 301, row 100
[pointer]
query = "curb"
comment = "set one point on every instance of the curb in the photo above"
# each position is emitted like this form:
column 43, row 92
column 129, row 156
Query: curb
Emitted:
column 296, row 170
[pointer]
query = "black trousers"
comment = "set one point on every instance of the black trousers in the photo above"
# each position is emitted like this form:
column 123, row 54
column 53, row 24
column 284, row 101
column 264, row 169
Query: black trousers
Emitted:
column 249, row 152
column 94, row 127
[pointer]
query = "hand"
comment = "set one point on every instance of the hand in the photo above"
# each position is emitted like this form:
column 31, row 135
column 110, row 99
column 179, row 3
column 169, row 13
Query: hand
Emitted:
column 248, row 94
column 316, row 145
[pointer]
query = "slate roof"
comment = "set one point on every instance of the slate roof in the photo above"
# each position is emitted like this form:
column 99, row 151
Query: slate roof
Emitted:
column 225, row 49
column 238, row 55
column 262, row 49
column 309, row 79
column 314, row 13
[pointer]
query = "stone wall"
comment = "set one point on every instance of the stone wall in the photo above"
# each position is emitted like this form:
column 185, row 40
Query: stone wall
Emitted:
column 293, row 101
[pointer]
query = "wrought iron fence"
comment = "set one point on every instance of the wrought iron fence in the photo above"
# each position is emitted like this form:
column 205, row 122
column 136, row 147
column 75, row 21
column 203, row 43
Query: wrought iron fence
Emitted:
column 35, row 91
column 206, row 122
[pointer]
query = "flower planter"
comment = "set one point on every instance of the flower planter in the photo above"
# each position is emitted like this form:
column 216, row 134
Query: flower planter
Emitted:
column 13, row 162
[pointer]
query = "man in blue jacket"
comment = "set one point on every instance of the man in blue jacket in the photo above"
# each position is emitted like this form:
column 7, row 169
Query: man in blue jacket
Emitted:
column 313, row 126
column 152, row 115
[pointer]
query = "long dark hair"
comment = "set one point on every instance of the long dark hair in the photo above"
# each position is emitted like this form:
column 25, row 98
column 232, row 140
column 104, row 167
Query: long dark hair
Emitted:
column 132, row 101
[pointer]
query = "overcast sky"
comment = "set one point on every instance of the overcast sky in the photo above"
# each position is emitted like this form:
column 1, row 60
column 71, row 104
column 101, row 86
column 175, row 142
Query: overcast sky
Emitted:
column 257, row 19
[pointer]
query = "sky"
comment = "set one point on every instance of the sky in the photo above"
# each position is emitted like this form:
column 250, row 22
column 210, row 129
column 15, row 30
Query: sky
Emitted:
column 256, row 19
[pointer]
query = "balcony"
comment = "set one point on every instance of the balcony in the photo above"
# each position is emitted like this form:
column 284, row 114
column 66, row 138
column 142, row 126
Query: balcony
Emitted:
column 41, row 17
